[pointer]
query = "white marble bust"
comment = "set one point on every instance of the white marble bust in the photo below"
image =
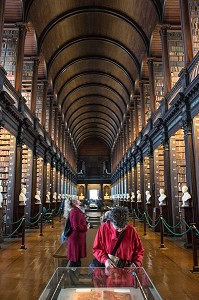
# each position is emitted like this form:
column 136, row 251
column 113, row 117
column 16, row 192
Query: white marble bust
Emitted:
column 186, row 197
column 1, row 196
column 132, row 197
column 139, row 196
column 48, row 197
column 162, row 198
column 148, row 197
column 38, row 197
column 22, row 197
column 54, row 197
column 59, row 198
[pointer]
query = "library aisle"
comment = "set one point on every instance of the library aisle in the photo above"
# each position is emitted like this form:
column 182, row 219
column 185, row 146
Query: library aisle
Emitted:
column 25, row 273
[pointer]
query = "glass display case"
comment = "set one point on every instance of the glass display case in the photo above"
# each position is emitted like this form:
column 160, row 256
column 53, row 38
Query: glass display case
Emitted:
column 100, row 284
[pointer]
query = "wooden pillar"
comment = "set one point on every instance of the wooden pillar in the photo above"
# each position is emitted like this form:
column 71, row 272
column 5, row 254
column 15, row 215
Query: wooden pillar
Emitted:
column 2, row 12
column 43, row 121
column 20, row 57
column 33, row 188
column 59, row 132
column 152, row 184
column 136, row 117
column 51, row 116
column 34, row 85
column 165, row 60
column 142, row 184
column 151, row 86
column 18, row 174
column 55, row 125
column 142, row 102
column 44, row 181
column 190, row 164
column 186, row 31
column 131, row 126
column 167, row 174
column 127, row 133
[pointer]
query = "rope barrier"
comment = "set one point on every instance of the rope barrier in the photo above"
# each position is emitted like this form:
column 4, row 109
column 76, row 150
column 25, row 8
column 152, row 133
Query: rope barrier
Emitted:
column 8, row 236
column 174, row 233
column 32, row 223
column 153, row 226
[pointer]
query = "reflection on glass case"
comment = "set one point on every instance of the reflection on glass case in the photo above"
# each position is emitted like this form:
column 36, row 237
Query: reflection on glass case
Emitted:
column 100, row 284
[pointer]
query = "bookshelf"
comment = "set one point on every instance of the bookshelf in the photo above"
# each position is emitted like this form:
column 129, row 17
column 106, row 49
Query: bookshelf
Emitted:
column 147, row 102
column 9, row 53
column 58, row 183
column 139, row 115
column 39, row 179
column 54, row 184
column 178, row 171
column 26, row 176
column 194, row 19
column 47, row 113
column 27, row 82
column 159, row 171
column 7, row 169
column 176, row 54
column 158, row 83
column 196, row 147
column 138, row 177
column 147, row 185
column 39, row 101
column 48, row 178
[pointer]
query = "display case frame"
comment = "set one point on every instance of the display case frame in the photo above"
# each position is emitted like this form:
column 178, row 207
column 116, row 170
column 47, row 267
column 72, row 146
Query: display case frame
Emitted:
column 86, row 283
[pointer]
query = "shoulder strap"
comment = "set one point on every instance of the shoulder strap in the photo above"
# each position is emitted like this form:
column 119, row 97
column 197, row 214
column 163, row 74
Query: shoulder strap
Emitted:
column 118, row 243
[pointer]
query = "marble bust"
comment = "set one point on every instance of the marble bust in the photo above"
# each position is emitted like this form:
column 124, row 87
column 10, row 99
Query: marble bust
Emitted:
column 38, row 198
column 59, row 198
column 54, row 197
column 48, row 197
column 148, row 197
column 186, row 197
column 1, row 196
column 139, row 196
column 132, row 197
column 22, row 197
column 162, row 198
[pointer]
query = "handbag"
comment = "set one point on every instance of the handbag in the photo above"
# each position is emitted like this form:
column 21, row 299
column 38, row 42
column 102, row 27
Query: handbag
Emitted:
column 68, row 228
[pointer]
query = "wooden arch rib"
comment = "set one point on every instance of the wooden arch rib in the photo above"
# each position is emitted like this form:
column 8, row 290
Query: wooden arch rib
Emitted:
column 110, row 113
column 64, row 104
column 94, row 135
column 87, row 38
column 94, row 72
column 99, row 98
column 101, row 58
column 95, row 9
column 93, row 130
column 90, row 126
column 97, row 120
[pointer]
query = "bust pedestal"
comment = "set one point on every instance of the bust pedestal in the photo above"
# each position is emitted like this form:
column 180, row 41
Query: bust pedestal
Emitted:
column 1, row 222
column 140, row 207
column 164, row 213
column 21, row 213
column 187, row 214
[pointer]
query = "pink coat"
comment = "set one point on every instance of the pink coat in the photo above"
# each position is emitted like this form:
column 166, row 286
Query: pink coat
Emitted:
column 77, row 239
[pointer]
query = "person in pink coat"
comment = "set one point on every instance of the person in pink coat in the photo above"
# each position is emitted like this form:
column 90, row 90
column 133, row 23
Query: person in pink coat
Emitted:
column 77, row 239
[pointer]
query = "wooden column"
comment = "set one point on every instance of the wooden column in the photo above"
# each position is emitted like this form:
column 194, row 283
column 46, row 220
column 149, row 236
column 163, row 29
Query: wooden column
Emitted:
column 50, row 116
column 151, row 86
column 63, row 140
column 33, row 188
column 20, row 57
column 59, row 132
column 2, row 12
column 142, row 102
column 142, row 184
column 127, row 133
column 55, row 125
column 165, row 60
column 152, row 184
column 44, row 181
column 131, row 126
column 167, row 174
column 190, row 164
column 136, row 117
column 34, row 85
column 186, row 31
column 43, row 121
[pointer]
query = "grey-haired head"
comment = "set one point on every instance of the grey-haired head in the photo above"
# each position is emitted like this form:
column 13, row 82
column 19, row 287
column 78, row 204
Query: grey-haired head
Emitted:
column 119, row 216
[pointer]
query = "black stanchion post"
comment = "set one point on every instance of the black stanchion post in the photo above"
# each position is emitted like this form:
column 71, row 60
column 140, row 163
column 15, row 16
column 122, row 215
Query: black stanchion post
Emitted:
column 41, row 225
column 161, row 232
column 60, row 215
column 144, row 223
column 52, row 218
column 23, row 233
column 194, row 247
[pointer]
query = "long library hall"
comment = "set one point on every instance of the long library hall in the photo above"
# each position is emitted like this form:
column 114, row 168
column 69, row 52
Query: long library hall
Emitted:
column 99, row 103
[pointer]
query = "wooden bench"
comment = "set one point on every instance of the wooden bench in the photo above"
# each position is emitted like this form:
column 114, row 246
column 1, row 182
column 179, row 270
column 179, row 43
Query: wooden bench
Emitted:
column 61, row 255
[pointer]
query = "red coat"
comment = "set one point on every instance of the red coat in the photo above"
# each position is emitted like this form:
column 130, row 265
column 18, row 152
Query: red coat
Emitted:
column 77, row 239
column 130, row 247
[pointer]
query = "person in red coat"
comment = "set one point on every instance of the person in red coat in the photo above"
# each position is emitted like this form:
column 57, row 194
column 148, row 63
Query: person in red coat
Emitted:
column 77, row 239
column 130, row 248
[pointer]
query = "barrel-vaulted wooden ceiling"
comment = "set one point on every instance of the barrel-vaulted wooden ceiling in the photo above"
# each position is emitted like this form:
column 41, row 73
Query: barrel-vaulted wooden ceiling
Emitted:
column 94, row 51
